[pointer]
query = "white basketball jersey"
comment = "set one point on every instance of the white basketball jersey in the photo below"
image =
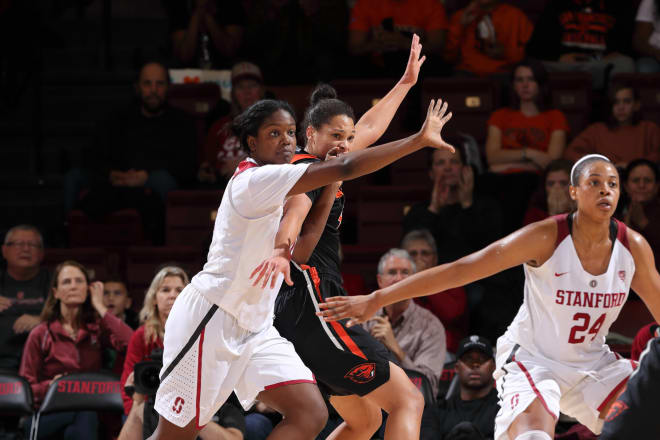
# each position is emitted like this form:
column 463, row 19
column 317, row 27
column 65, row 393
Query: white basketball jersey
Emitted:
column 244, row 234
column 567, row 312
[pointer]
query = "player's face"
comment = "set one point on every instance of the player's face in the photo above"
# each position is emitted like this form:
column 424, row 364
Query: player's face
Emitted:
column 446, row 166
column 152, row 87
column 115, row 297
column 525, row 84
column 247, row 92
column 597, row 192
column 71, row 287
column 624, row 106
column 337, row 135
column 422, row 254
column 475, row 369
column 167, row 292
column 276, row 139
column 641, row 185
column 395, row 270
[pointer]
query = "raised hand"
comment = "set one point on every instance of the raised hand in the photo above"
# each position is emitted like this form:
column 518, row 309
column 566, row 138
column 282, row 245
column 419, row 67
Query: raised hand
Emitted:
column 270, row 268
column 436, row 118
column 359, row 308
column 96, row 297
column 414, row 62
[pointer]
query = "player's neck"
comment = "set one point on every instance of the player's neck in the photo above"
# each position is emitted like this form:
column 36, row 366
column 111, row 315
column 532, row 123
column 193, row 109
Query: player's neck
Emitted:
column 589, row 230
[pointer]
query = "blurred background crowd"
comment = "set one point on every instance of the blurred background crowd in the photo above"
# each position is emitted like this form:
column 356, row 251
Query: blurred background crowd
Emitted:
column 111, row 171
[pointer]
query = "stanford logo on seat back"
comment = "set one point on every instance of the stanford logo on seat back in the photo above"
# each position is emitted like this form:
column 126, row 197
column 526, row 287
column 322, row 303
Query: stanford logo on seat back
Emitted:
column 178, row 404
column 362, row 373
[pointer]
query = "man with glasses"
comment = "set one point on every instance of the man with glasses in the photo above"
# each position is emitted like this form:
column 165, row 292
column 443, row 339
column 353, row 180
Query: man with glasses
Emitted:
column 23, row 290
column 413, row 334
column 470, row 414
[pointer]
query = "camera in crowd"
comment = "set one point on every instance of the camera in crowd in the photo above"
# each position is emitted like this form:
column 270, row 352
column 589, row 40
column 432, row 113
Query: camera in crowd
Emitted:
column 146, row 374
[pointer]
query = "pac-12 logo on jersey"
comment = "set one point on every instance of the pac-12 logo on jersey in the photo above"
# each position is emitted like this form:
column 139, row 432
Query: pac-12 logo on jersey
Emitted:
column 178, row 404
column 362, row 373
column 622, row 275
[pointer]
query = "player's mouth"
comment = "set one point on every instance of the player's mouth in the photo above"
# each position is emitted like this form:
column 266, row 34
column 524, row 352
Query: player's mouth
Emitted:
column 604, row 204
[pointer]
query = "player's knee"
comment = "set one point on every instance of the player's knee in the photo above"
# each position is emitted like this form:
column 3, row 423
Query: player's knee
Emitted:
column 370, row 420
column 313, row 417
column 412, row 399
column 534, row 435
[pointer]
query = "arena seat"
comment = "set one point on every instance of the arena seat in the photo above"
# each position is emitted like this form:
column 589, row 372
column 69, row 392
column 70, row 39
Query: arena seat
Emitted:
column 362, row 94
column 190, row 216
column 15, row 394
column 197, row 99
column 122, row 227
column 570, row 92
column 412, row 169
column 423, row 385
column 142, row 263
column 471, row 100
column 381, row 210
column 648, row 88
column 93, row 258
column 448, row 381
column 296, row 95
column 363, row 261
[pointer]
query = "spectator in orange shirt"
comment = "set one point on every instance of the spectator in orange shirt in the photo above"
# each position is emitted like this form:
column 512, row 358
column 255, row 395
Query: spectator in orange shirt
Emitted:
column 624, row 137
column 487, row 37
column 382, row 29
column 522, row 140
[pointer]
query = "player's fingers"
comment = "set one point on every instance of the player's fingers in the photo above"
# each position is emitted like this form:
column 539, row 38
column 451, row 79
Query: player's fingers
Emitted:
column 422, row 59
column 287, row 276
column 269, row 273
column 446, row 118
column 429, row 112
column 258, row 268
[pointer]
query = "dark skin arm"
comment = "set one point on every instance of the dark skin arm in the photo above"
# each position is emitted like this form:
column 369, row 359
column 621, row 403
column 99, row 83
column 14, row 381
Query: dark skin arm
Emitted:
column 646, row 281
column 533, row 244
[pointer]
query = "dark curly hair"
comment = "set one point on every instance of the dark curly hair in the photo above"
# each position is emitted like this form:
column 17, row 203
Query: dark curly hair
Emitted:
column 324, row 106
column 248, row 123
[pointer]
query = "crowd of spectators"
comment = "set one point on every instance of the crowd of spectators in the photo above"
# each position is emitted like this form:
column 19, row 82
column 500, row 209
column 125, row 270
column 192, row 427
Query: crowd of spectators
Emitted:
column 67, row 321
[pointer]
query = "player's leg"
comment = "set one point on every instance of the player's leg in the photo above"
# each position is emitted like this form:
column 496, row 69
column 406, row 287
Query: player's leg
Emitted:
column 533, row 422
column 403, row 402
column 169, row 431
column 361, row 418
column 302, row 407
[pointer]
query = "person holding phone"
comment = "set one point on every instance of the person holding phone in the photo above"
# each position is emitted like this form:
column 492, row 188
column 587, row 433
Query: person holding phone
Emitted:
column 75, row 327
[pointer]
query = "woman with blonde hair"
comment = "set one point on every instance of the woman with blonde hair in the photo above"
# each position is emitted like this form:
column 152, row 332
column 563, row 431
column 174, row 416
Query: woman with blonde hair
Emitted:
column 75, row 328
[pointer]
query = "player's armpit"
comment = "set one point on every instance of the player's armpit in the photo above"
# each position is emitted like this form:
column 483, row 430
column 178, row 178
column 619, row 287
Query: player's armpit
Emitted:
column 646, row 281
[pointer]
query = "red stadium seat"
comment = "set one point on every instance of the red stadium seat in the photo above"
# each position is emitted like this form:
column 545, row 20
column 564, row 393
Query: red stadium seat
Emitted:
column 94, row 259
column 142, row 263
column 412, row 169
column 570, row 92
column 119, row 228
column 648, row 88
column 363, row 261
column 190, row 216
column 296, row 95
column 381, row 210
column 471, row 100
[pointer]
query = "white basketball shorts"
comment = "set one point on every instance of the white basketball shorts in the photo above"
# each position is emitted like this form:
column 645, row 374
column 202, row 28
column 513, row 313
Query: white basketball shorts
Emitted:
column 577, row 392
column 207, row 356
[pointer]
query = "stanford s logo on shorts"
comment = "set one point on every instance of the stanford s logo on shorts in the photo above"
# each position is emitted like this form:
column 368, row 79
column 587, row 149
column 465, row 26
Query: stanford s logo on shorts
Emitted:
column 178, row 405
column 362, row 373
column 617, row 409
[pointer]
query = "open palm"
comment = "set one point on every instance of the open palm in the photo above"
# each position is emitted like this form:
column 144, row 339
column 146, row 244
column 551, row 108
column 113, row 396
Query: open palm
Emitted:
column 436, row 118
column 414, row 62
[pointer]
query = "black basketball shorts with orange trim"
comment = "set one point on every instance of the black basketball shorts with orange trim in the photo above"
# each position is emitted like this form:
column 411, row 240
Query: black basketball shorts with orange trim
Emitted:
column 344, row 360
column 634, row 415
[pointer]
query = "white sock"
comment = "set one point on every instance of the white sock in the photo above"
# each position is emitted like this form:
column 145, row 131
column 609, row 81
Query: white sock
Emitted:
column 534, row 435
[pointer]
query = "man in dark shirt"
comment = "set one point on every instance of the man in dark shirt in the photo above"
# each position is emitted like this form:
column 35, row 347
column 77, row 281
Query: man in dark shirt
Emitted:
column 23, row 290
column 470, row 414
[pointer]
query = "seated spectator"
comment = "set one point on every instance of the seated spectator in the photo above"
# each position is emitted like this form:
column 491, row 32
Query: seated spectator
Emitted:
column 585, row 35
column 75, row 327
column 144, row 345
column 470, row 414
column 643, row 336
column 23, row 290
column 450, row 306
column 206, row 33
column 142, row 154
column 642, row 209
column 624, row 137
column 222, row 150
column 522, row 140
column 646, row 39
column 487, row 37
column 413, row 334
column 380, row 32
column 460, row 220
column 117, row 300
column 553, row 197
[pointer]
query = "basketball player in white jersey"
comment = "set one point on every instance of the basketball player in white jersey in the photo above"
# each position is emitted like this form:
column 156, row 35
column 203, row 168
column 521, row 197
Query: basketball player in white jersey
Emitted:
column 219, row 336
column 578, row 270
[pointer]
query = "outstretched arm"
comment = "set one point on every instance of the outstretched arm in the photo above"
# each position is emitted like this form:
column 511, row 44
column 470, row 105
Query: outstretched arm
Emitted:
column 355, row 164
column 374, row 122
column 646, row 281
column 533, row 244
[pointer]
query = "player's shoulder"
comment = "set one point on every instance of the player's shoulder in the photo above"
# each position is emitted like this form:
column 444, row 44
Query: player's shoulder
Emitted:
column 632, row 240
column 551, row 230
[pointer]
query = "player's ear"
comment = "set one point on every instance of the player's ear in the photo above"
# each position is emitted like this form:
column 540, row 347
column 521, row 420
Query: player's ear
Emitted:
column 252, row 144
column 572, row 191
